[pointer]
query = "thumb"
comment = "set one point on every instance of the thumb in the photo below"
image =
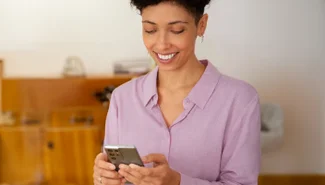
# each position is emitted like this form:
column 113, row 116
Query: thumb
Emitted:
column 101, row 156
column 155, row 158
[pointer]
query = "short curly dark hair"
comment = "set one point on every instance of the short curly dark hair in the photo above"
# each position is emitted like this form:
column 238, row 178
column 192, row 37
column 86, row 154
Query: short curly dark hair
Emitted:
column 195, row 7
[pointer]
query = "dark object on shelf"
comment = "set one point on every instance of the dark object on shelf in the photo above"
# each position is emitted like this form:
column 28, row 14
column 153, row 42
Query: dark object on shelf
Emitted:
column 104, row 96
column 82, row 119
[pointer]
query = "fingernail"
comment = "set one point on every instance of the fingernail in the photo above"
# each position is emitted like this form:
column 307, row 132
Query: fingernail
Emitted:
column 122, row 166
column 112, row 166
column 133, row 166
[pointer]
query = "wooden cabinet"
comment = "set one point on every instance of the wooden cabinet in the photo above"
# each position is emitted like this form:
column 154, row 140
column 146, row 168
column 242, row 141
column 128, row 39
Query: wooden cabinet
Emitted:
column 55, row 155
column 21, row 160
column 69, row 154
column 62, row 147
column 72, row 139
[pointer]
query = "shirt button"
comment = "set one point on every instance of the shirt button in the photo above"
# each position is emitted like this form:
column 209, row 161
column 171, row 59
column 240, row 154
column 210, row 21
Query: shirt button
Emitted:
column 186, row 103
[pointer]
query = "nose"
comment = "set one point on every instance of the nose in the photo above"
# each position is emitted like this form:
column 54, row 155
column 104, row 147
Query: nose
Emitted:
column 163, row 41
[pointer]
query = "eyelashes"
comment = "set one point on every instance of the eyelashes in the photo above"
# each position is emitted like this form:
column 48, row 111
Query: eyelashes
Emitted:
column 150, row 32
column 178, row 32
column 154, row 31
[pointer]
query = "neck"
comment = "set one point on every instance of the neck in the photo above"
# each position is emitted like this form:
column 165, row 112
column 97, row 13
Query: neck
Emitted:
column 185, row 76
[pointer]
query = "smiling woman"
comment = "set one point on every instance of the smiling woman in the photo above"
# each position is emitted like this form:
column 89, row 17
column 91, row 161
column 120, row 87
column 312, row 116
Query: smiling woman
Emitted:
column 196, row 125
column 170, row 39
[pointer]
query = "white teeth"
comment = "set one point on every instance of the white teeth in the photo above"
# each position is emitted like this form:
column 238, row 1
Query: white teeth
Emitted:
column 166, row 57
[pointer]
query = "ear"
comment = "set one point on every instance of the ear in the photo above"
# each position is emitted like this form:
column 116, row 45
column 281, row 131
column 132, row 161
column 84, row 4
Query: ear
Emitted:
column 202, row 25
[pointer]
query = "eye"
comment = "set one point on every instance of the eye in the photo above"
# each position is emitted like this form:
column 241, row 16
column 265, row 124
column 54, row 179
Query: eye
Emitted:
column 178, row 32
column 150, row 31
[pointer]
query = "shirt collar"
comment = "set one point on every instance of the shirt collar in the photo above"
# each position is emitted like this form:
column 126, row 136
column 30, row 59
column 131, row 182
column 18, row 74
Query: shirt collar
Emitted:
column 203, row 89
column 199, row 95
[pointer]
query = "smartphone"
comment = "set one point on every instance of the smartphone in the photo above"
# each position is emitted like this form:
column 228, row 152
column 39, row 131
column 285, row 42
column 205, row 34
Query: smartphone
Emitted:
column 123, row 154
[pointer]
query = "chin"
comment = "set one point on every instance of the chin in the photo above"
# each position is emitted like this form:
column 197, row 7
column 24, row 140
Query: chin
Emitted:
column 167, row 68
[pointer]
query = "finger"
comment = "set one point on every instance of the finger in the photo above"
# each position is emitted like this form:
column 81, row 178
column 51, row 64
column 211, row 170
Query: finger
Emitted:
column 97, row 179
column 105, row 165
column 146, row 172
column 146, row 176
column 123, row 181
column 101, row 156
column 128, row 177
column 101, row 161
column 95, row 182
column 133, row 170
column 155, row 158
column 129, row 174
column 103, row 180
column 106, row 173
column 111, row 181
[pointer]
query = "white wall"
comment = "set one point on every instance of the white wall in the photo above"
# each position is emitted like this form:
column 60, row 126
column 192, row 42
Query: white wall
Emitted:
column 276, row 45
column 42, row 33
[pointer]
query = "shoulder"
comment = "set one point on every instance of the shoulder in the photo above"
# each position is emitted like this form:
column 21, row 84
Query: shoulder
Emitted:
column 236, row 98
column 239, row 92
column 229, row 88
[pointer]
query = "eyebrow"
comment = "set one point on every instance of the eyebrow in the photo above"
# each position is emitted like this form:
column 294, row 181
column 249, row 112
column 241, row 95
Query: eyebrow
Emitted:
column 170, row 23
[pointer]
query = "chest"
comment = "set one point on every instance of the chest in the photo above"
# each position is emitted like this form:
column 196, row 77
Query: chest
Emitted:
column 171, row 105
column 193, row 141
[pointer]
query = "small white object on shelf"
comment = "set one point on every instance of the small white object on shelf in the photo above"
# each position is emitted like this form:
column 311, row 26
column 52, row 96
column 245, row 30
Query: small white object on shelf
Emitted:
column 134, row 66
column 74, row 67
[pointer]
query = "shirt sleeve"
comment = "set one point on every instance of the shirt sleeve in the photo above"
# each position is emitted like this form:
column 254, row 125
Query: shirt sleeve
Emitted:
column 111, row 124
column 241, row 156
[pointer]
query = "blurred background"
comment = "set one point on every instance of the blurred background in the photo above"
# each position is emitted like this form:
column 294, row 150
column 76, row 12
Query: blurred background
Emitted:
column 62, row 59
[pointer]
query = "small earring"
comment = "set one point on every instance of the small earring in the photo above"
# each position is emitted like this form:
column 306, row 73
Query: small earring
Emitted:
column 202, row 38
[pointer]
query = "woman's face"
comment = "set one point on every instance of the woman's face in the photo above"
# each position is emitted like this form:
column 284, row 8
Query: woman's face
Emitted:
column 169, row 34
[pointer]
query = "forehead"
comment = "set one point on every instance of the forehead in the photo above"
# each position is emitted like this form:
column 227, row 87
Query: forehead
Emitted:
column 166, row 12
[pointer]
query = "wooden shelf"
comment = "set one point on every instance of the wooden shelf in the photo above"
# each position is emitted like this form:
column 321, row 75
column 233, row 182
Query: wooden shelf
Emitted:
column 21, row 94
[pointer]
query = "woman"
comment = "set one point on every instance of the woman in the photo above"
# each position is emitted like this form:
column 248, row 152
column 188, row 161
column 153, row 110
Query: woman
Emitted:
column 195, row 124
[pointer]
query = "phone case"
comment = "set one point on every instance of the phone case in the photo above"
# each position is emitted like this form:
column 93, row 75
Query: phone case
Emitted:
column 118, row 154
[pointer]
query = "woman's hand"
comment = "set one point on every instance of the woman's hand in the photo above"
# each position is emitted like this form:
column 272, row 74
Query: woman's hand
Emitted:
column 160, row 174
column 104, row 172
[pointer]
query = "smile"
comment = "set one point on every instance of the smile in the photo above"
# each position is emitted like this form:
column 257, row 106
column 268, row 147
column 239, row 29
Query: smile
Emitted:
column 166, row 57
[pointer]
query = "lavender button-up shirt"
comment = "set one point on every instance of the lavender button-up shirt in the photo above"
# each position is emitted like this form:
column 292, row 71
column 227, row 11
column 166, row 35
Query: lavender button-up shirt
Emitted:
column 215, row 141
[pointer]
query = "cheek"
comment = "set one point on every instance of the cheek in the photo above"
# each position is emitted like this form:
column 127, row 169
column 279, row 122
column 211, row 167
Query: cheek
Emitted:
column 148, row 42
column 186, row 43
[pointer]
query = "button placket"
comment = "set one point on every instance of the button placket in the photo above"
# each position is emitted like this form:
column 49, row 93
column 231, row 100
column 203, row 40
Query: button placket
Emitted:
column 165, row 141
column 168, row 143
